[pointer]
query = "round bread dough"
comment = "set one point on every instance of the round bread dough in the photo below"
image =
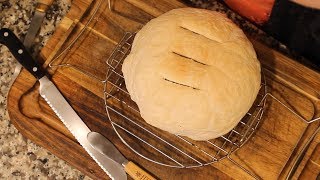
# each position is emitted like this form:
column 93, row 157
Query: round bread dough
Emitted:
column 192, row 72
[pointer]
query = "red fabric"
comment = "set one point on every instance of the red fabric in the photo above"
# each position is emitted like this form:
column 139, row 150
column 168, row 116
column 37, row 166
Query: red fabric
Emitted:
column 255, row 10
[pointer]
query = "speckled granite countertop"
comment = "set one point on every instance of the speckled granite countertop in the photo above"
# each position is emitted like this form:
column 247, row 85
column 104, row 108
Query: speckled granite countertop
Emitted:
column 19, row 157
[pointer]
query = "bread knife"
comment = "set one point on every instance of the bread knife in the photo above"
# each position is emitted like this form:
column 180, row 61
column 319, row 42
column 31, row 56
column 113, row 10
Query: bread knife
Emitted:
column 60, row 105
column 36, row 22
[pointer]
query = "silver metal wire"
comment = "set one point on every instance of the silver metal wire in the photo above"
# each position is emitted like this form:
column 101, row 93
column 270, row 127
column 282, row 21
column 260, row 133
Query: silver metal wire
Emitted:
column 128, row 120
column 225, row 145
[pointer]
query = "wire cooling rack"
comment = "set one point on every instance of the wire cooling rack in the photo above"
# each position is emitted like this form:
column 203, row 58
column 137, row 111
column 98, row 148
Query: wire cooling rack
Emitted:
column 189, row 154
column 161, row 147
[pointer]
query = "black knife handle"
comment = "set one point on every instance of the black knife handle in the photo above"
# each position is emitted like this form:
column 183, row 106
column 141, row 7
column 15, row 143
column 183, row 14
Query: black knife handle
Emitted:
column 15, row 46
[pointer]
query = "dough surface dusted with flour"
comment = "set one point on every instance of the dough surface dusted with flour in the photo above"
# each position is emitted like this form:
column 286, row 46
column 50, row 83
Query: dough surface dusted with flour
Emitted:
column 192, row 72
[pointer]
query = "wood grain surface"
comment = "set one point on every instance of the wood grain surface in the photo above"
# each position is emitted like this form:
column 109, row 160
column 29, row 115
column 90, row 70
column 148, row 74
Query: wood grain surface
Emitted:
column 270, row 153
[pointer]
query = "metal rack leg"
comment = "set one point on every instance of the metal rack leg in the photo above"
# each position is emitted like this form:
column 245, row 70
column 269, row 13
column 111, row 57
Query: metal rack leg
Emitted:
column 252, row 174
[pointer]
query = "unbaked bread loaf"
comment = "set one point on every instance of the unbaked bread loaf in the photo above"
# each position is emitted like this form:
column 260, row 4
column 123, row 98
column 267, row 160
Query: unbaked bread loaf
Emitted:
column 192, row 72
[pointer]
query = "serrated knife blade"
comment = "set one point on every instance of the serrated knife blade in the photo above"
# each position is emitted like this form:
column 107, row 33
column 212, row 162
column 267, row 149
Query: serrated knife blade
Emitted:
column 60, row 105
column 77, row 127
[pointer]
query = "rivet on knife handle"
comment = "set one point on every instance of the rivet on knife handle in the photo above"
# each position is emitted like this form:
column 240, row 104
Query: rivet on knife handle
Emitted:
column 9, row 39
column 60, row 105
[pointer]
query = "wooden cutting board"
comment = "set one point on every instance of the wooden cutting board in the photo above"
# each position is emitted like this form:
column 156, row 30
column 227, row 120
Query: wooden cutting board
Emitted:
column 270, row 153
